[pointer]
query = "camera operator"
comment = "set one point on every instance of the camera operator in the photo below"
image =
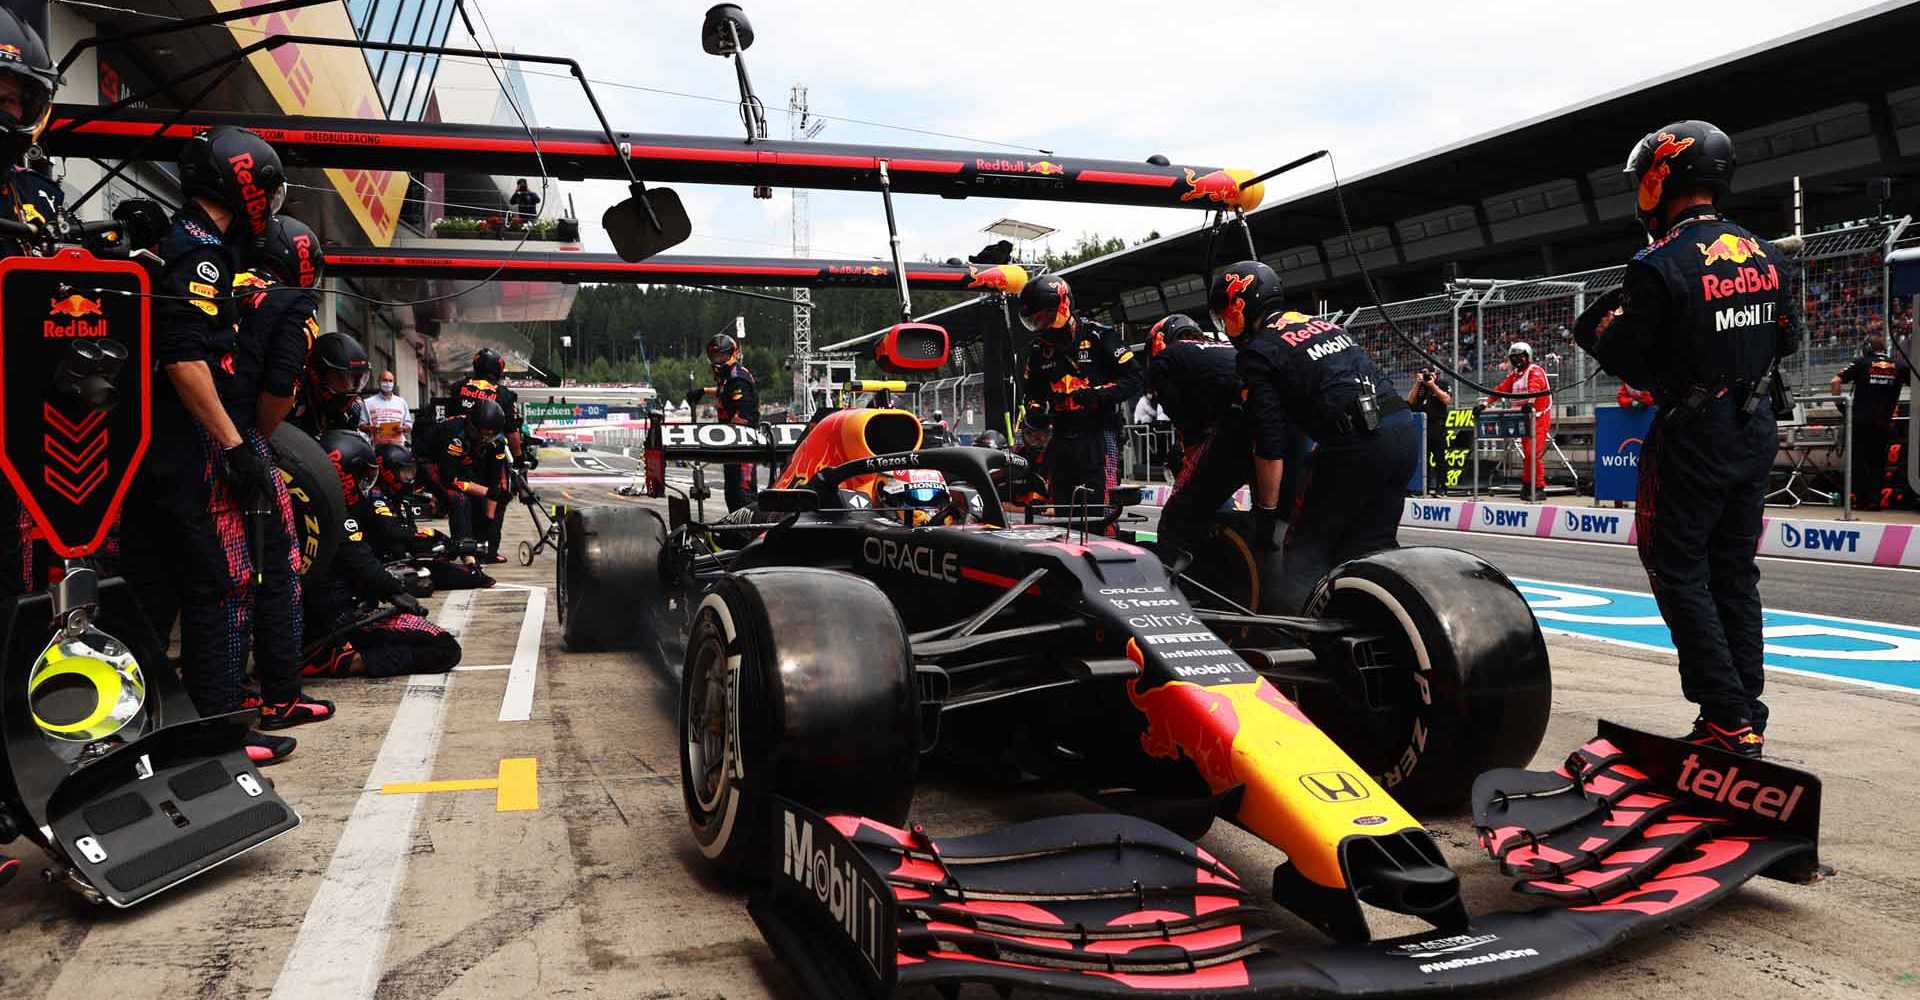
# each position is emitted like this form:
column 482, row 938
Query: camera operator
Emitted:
column 1431, row 397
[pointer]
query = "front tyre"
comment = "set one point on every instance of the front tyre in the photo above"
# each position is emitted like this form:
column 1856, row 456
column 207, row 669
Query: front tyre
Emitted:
column 798, row 682
column 1456, row 684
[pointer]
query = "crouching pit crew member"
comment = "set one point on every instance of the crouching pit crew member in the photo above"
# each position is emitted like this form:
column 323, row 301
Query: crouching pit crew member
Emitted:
column 1309, row 374
column 465, row 465
column 396, row 534
column 184, row 526
column 1078, row 375
column 329, row 399
column 348, row 640
column 1196, row 380
column 1705, row 313
column 736, row 400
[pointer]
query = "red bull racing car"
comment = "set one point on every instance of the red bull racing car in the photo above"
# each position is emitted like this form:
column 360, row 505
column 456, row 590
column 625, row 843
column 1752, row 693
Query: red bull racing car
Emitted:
column 868, row 615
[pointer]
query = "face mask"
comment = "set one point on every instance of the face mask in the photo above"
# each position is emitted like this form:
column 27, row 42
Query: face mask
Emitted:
column 386, row 387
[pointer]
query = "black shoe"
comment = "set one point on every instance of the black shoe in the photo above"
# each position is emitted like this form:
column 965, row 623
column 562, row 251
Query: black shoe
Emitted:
column 1742, row 739
column 263, row 749
column 287, row 714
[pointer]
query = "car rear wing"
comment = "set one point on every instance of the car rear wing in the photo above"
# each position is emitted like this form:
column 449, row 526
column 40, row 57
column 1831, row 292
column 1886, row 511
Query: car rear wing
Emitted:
column 757, row 444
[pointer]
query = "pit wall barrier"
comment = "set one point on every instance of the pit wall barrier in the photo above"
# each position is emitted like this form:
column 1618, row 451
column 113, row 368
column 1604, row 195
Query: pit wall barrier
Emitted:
column 1867, row 543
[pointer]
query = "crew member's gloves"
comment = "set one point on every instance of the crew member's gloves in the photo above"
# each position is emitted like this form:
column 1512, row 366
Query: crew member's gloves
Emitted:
column 499, row 494
column 405, row 602
column 1085, row 397
column 247, row 477
column 1266, row 529
column 695, row 395
column 1594, row 319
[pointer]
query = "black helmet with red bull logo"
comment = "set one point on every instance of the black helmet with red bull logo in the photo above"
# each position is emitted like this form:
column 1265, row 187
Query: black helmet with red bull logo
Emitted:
column 24, row 61
column 488, row 364
column 239, row 171
column 338, row 368
column 1046, row 304
column 1683, row 157
column 1240, row 294
column 722, row 352
column 290, row 252
column 1176, row 327
column 353, row 460
column 397, row 467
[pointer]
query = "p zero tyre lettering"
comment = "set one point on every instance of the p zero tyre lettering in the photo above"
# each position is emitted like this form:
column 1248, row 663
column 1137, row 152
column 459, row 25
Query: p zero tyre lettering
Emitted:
column 726, row 804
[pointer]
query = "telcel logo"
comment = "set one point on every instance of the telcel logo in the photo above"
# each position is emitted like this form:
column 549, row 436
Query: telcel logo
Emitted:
column 1741, row 793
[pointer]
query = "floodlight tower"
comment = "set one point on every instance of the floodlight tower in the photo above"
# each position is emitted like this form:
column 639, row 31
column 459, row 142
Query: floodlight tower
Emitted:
column 801, row 125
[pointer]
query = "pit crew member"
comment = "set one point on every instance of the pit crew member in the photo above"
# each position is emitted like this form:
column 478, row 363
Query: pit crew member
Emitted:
column 736, row 400
column 1078, row 376
column 1196, row 380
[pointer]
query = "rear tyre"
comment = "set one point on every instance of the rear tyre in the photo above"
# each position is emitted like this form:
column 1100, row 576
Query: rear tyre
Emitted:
column 1460, row 683
column 607, row 577
column 319, row 508
column 798, row 682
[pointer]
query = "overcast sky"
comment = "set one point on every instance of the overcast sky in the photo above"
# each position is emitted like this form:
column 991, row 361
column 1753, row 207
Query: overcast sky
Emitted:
column 1245, row 84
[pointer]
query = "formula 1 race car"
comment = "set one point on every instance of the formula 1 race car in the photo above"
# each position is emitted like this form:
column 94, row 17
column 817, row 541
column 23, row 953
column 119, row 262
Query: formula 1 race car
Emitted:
column 878, row 605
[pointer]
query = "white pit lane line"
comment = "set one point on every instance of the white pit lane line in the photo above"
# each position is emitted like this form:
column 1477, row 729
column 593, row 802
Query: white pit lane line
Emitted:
column 341, row 946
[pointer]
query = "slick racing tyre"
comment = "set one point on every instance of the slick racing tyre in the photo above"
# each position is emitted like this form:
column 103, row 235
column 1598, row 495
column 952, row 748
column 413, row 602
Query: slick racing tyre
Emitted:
column 607, row 577
column 798, row 682
column 319, row 508
column 1457, row 682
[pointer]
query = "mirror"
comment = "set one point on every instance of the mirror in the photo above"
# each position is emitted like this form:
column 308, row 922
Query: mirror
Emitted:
column 912, row 347
column 633, row 234
column 1124, row 496
column 788, row 501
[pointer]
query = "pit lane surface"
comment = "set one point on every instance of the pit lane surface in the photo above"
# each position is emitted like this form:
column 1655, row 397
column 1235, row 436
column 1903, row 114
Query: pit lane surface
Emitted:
column 599, row 892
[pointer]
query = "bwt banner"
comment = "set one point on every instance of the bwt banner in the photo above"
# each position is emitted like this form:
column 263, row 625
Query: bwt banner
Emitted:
column 1618, row 434
column 1861, row 542
column 563, row 411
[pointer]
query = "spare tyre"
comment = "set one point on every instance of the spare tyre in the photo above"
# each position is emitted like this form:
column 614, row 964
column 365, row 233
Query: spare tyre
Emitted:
column 608, row 578
column 1454, row 680
column 319, row 508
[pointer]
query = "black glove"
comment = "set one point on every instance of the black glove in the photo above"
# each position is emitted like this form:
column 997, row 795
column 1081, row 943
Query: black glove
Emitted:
column 499, row 494
column 405, row 602
column 247, row 477
column 1085, row 397
column 530, row 460
column 1266, row 529
column 695, row 395
column 1586, row 329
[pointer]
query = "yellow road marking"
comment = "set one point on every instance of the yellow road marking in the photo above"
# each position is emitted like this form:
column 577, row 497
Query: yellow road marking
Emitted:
column 516, row 788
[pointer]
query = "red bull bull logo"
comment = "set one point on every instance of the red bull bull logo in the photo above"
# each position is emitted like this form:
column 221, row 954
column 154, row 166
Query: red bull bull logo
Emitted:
column 1007, row 278
column 1222, row 187
column 75, row 308
column 1187, row 719
column 1655, row 179
column 1064, row 388
column 1235, row 316
column 75, row 305
column 1046, row 168
column 1731, row 248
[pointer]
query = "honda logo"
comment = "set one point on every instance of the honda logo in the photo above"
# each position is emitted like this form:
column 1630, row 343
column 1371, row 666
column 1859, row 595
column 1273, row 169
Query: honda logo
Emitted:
column 1334, row 786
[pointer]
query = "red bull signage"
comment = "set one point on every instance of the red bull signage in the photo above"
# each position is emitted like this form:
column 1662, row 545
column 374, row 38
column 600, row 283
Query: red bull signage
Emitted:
column 1745, row 281
column 1730, row 248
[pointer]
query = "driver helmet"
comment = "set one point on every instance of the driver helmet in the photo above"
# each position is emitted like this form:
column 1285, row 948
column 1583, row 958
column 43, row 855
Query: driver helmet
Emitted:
column 338, row 368
column 353, row 460
column 991, row 439
column 397, row 467
column 239, row 171
column 24, row 63
column 916, row 504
